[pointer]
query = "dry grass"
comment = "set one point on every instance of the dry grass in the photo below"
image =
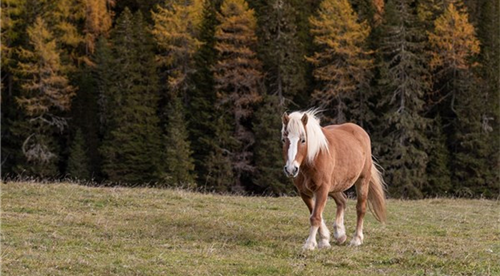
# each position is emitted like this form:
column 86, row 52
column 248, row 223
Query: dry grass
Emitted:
column 66, row 229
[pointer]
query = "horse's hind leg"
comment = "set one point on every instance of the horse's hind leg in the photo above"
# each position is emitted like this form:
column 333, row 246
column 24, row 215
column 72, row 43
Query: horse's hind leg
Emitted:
column 338, row 226
column 362, row 195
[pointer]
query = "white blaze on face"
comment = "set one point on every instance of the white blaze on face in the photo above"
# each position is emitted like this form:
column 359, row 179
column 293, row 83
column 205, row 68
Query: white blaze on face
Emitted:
column 292, row 150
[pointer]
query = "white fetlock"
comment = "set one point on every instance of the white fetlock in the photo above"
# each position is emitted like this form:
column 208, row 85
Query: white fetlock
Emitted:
column 339, row 233
column 310, row 245
column 357, row 240
column 324, row 243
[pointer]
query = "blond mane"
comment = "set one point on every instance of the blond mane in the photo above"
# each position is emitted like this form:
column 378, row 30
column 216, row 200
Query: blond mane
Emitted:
column 315, row 138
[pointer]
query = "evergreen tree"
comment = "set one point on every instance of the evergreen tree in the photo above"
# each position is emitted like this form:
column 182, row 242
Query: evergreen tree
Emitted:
column 78, row 162
column 268, row 149
column 104, row 76
column 45, row 94
column 220, row 172
column 131, row 148
column 281, row 51
column 438, row 167
column 178, row 152
column 85, row 117
column 201, row 111
column 488, row 30
column 341, row 63
column 404, row 83
column 238, row 80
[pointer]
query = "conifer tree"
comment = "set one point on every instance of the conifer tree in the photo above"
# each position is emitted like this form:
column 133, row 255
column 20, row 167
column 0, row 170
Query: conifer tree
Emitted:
column 45, row 94
column 178, row 151
column 176, row 31
column 488, row 30
column 201, row 111
column 78, row 161
column 268, row 148
column 98, row 21
column 404, row 83
column 238, row 79
column 438, row 167
column 220, row 173
column 131, row 148
column 341, row 63
column 281, row 51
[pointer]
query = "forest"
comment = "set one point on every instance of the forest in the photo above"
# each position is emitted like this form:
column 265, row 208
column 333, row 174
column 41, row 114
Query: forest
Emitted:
column 190, row 93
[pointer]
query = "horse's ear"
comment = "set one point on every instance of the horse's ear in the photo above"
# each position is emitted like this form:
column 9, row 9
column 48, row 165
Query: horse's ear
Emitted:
column 285, row 118
column 304, row 119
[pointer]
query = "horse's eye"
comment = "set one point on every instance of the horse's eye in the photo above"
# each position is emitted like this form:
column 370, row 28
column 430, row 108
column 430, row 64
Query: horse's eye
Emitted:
column 303, row 141
column 283, row 140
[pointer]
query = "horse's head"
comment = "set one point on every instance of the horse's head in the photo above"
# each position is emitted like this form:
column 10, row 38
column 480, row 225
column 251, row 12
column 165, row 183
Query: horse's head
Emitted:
column 293, row 136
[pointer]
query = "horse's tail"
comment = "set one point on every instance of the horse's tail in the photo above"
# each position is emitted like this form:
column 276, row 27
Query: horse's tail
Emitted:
column 376, row 194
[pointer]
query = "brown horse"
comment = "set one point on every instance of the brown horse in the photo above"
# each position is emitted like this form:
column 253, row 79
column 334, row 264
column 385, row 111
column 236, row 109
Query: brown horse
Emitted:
column 326, row 161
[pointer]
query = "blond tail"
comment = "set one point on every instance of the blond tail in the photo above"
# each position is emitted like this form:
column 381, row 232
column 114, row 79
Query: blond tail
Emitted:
column 376, row 194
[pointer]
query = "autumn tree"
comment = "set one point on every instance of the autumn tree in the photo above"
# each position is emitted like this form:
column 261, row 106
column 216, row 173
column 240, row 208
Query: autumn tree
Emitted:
column 98, row 21
column 453, row 44
column 341, row 63
column 238, row 79
column 176, row 31
column 403, row 82
column 46, row 93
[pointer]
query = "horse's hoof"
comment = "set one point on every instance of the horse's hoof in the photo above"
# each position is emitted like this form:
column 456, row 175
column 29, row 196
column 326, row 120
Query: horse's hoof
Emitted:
column 356, row 242
column 341, row 240
column 324, row 244
column 310, row 246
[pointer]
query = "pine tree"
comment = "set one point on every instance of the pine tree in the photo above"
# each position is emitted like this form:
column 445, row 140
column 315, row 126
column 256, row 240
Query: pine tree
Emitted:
column 341, row 63
column 404, row 83
column 85, row 117
column 178, row 152
column 238, row 79
column 438, row 168
column 268, row 148
column 131, row 148
column 488, row 29
column 46, row 93
column 281, row 51
column 104, row 75
column 201, row 111
column 78, row 161
column 220, row 172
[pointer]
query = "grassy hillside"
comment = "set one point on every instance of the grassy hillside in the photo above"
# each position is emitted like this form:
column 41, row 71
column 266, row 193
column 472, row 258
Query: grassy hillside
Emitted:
column 65, row 229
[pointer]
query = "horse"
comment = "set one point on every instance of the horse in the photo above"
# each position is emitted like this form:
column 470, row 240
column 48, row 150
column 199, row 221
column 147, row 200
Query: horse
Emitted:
column 326, row 161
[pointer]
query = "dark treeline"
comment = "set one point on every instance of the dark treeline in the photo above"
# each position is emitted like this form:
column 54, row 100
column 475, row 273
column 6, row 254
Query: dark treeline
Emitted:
column 190, row 93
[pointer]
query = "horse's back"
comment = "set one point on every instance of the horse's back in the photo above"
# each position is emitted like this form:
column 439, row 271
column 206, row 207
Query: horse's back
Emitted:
column 348, row 131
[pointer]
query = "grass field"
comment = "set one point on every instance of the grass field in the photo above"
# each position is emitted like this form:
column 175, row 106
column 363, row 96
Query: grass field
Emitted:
column 66, row 229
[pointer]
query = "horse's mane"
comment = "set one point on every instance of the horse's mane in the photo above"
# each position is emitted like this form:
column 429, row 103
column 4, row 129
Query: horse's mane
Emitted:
column 316, row 140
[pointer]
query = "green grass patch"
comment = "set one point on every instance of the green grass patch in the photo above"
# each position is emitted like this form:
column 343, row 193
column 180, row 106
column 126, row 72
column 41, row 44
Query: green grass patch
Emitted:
column 66, row 229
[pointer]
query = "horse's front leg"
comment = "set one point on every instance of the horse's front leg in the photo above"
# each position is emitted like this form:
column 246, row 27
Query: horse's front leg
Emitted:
column 317, row 223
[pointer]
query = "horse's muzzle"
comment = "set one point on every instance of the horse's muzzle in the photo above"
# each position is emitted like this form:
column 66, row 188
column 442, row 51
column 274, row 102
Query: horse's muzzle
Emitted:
column 293, row 172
